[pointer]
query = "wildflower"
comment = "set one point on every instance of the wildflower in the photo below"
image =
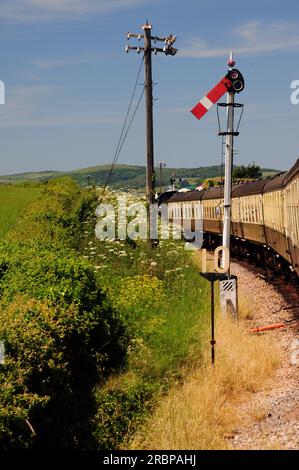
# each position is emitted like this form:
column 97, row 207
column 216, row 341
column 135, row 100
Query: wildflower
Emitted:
column 153, row 263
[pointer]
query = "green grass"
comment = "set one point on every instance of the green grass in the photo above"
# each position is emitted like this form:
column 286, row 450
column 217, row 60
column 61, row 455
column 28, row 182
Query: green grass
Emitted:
column 13, row 200
column 165, row 306
column 153, row 298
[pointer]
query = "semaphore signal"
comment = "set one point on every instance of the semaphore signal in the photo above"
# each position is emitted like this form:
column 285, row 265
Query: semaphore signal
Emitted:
column 231, row 83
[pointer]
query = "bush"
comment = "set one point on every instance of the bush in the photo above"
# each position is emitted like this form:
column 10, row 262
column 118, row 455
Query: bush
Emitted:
column 61, row 335
column 120, row 412
column 57, row 215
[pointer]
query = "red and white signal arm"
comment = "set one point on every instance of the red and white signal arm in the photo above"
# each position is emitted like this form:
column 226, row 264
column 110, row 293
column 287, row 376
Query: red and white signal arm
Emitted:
column 233, row 82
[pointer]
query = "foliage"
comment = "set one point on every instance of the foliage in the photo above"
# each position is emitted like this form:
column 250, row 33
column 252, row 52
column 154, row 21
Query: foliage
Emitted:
column 61, row 335
column 252, row 171
column 161, row 300
column 121, row 412
column 93, row 330
column 57, row 215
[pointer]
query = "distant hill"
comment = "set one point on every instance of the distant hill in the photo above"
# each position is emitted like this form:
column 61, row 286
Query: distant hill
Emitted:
column 34, row 176
column 125, row 176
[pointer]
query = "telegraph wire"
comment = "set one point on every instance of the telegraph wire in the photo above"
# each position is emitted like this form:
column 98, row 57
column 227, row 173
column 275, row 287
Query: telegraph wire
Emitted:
column 124, row 133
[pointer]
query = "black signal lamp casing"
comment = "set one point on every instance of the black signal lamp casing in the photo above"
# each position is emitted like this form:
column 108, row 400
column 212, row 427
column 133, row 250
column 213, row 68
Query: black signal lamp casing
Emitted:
column 237, row 80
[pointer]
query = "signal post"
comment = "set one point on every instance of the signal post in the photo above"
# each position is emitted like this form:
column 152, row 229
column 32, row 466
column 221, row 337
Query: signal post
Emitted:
column 231, row 83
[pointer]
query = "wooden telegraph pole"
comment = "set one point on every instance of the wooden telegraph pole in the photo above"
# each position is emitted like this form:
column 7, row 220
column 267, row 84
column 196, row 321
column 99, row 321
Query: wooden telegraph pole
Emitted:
column 148, row 85
column 147, row 49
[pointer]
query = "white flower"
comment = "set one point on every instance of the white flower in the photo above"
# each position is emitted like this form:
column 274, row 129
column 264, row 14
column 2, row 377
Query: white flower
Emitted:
column 153, row 263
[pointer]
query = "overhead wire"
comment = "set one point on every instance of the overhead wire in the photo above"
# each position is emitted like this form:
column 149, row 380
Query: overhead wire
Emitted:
column 124, row 131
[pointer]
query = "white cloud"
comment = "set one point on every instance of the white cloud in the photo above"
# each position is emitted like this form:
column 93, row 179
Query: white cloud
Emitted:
column 24, row 108
column 44, row 10
column 52, row 63
column 251, row 38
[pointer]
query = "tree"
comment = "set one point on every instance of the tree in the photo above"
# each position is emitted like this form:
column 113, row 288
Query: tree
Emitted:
column 252, row 171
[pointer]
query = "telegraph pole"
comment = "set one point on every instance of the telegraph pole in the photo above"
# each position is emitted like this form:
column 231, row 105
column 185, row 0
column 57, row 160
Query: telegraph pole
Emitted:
column 148, row 85
column 161, row 165
column 147, row 49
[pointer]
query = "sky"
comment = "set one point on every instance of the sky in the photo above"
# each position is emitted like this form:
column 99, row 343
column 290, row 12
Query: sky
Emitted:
column 68, row 81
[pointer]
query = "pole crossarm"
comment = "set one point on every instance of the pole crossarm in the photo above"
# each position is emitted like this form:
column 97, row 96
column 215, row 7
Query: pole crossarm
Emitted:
column 168, row 48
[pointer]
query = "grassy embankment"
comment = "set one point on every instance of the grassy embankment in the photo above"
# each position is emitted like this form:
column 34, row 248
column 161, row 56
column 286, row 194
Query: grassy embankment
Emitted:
column 163, row 300
column 94, row 332
column 142, row 354
column 203, row 412
column 13, row 200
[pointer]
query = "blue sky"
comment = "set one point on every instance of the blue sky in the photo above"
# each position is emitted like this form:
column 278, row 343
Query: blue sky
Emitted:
column 68, row 81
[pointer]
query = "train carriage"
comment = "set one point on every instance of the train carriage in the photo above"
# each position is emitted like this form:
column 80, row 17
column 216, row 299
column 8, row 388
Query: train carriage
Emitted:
column 247, row 211
column 264, row 214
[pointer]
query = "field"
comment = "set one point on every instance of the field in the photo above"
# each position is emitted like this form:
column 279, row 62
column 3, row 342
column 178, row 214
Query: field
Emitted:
column 14, row 199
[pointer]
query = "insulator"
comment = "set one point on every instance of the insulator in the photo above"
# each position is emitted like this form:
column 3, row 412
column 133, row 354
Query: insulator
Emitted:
column 127, row 48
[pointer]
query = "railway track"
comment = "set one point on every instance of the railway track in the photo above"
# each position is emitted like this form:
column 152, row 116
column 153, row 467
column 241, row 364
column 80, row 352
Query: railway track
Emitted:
column 270, row 418
column 286, row 287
